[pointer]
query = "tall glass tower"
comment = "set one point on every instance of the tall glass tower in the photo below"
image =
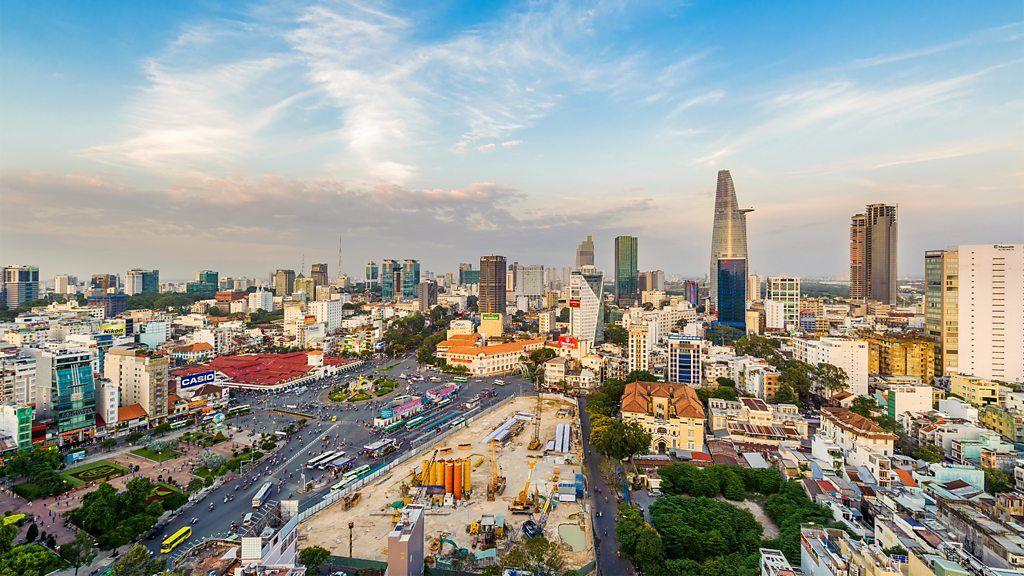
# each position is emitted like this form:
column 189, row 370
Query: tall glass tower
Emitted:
column 627, row 274
column 729, row 236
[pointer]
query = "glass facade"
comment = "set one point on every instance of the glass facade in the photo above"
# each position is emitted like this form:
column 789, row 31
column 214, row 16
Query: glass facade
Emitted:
column 627, row 273
column 73, row 395
column 732, row 292
column 684, row 354
column 410, row 279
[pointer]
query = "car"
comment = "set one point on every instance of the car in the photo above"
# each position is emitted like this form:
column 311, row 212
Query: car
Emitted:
column 655, row 493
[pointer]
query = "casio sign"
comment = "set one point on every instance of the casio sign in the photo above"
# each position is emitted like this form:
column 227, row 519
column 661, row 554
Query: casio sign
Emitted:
column 199, row 379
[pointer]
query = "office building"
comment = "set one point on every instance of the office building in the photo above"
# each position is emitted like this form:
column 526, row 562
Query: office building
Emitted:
column 684, row 359
column 410, row 278
column 65, row 390
column 17, row 376
column 729, row 235
column 305, row 285
column 426, row 294
column 372, row 276
column 753, row 288
column 941, row 269
column 64, row 284
column 140, row 376
column 138, row 281
column 530, row 280
column 627, row 274
column 16, row 424
column 330, row 313
column 732, row 292
column 493, row 281
column 586, row 304
column 113, row 303
column 318, row 272
column 103, row 282
column 990, row 315
column 585, row 253
column 850, row 355
column 691, row 291
column 467, row 275
column 261, row 300
column 784, row 290
column 671, row 413
column 206, row 282
column 20, row 286
column 284, row 282
column 639, row 347
column 390, row 280
column 651, row 281
column 873, row 249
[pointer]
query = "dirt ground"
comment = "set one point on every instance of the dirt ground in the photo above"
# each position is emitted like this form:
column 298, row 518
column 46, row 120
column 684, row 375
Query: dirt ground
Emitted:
column 373, row 513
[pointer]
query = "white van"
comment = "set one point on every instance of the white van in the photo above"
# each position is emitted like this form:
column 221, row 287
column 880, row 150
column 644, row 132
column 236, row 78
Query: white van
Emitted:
column 247, row 519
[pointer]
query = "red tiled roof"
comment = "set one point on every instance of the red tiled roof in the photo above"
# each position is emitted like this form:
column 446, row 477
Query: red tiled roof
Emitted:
column 132, row 412
column 196, row 347
column 906, row 477
column 262, row 369
column 637, row 398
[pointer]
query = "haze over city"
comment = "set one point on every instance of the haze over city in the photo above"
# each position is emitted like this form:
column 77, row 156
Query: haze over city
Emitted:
column 241, row 136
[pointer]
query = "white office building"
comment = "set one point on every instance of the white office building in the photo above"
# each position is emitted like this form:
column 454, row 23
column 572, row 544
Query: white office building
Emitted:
column 586, row 293
column 850, row 355
column 328, row 312
column 261, row 300
column 990, row 315
column 786, row 290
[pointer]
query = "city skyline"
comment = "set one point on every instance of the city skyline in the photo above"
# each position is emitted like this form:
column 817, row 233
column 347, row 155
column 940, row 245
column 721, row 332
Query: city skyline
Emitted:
column 144, row 135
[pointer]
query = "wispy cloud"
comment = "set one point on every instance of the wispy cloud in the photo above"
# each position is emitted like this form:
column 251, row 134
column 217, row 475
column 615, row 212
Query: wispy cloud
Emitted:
column 999, row 34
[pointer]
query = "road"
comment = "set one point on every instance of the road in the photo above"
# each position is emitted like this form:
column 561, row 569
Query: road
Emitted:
column 285, row 467
column 606, row 502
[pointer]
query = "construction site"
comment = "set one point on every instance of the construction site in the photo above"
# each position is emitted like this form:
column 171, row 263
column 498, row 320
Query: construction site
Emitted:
column 512, row 473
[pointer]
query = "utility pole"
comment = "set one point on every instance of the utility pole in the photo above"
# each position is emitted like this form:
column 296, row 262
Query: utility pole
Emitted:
column 351, row 525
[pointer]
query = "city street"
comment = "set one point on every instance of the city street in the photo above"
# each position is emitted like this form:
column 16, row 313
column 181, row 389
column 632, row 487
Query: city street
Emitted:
column 285, row 467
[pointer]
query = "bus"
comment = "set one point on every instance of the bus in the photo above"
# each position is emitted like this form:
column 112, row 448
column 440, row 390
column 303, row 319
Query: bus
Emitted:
column 444, row 402
column 318, row 460
column 414, row 422
column 356, row 472
column 260, row 496
column 338, row 456
column 499, row 382
column 461, row 379
column 172, row 541
column 345, row 482
column 456, row 422
column 395, row 426
column 179, row 424
column 240, row 409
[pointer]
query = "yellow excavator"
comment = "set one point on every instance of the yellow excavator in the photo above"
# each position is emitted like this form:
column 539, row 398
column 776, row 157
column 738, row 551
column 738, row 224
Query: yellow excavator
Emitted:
column 524, row 502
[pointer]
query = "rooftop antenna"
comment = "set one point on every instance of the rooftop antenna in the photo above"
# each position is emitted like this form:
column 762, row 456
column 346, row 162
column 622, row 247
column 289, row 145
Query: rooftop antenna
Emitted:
column 303, row 265
column 339, row 255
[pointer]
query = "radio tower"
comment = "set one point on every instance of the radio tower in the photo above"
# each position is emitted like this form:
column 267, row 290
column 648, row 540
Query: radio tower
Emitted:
column 339, row 256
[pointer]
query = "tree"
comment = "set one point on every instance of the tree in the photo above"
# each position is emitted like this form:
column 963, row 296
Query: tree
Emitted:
column 542, row 355
column 797, row 375
column 616, row 334
column 680, row 324
column 785, row 395
column 723, row 392
column 563, row 315
column 640, row 376
column 831, row 378
column 997, row 481
column 721, row 334
column 535, row 555
column 314, row 557
column 761, row 347
column 138, row 562
column 895, row 551
column 864, row 405
column 617, row 439
column 929, row 453
column 8, row 532
column 79, row 552
column 32, row 533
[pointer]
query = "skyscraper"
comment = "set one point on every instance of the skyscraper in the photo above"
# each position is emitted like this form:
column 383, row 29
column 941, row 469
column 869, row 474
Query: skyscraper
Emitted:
column 626, row 271
column 410, row 278
column 873, row 246
column 585, row 252
column 20, row 285
column 284, row 282
column 138, row 281
column 426, row 293
column 941, row 288
column 492, row 284
column 372, row 276
column 729, row 235
column 732, row 292
column 990, row 314
column 784, row 290
column 318, row 272
column 586, row 304
column 390, row 280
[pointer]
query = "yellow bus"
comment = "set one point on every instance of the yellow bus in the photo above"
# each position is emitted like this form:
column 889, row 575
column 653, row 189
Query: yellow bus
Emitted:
column 172, row 541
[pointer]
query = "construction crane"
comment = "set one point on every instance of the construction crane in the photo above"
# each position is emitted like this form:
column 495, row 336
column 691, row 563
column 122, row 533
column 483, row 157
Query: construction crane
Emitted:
column 424, row 474
column 535, row 441
column 523, row 504
column 497, row 484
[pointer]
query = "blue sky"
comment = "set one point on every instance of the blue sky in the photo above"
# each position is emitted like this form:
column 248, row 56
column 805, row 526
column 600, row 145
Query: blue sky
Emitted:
column 240, row 136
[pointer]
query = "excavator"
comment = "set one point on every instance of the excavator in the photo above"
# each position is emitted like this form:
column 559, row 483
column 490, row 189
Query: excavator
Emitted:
column 497, row 484
column 524, row 502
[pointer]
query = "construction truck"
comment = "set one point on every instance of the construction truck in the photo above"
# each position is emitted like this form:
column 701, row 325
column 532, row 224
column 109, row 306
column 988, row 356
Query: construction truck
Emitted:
column 350, row 500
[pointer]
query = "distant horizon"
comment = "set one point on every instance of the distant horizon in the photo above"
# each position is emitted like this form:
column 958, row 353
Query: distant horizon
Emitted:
column 240, row 136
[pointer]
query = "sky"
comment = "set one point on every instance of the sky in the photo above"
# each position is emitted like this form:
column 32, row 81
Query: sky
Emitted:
column 249, row 136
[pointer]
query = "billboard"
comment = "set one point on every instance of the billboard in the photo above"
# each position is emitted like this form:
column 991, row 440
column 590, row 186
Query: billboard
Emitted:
column 113, row 328
column 568, row 342
column 574, row 303
column 197, row 379
column 490, row 316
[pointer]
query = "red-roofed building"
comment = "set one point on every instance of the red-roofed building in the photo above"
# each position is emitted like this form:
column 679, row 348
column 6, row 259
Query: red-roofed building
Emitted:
column 672, row 414
column 271, row 371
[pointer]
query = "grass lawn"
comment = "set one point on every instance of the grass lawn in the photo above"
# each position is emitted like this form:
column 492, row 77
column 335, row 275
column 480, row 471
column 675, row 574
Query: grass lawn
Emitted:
column 98, row 471
column 156, row 456
column 359, row 397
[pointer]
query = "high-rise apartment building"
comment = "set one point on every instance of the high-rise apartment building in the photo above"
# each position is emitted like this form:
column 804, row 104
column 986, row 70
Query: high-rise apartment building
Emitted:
column 652, row 280
column 990, row 315
column 493, row 281
column 65, row 390
column 426, row 294
column 753, row 288
column 585, row 253
column 732, row 292
column 20, row 285
column 785, row 290
column 940, row 306
column 873, row 247
column 850, row 355
column 284, row 282
column 684, row 359
column 901, row 355
column 627, row 274
column 140, row 376
column 639, row 347
column 586, row 304
column 64, row 284
column 729, row 235
column 138, row 281
column 17, row 376
column 318, row 272
column 103, row 282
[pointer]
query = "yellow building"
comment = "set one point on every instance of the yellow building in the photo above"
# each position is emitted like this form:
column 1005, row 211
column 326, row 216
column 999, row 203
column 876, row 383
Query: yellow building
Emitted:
column 890, row 355
column 672, row 413
column 485, row 360
column 977, row 391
